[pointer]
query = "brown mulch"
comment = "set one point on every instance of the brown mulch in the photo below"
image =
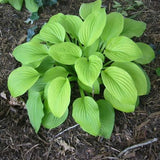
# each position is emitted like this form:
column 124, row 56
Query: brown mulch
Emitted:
column 17, row 137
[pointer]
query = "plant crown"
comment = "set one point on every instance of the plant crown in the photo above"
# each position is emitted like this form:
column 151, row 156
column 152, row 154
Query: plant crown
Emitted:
column 91, row 50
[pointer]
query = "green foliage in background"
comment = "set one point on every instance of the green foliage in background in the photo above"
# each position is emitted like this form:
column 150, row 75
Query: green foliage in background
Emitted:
column 31, row 5
column 94, row 49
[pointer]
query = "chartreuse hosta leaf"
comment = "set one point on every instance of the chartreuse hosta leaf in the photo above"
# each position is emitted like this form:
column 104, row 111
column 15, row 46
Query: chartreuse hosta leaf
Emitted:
column 53, row 33
column 54, row 72
column 58, row 96
column 88, row 51
column 88, row 8
column 50, row 121
column 17, row 4
column 122, row 49
column 72, row 24
column 35, row 109
column 30, row 52
column 57, row 18
column 113, row 27
column 133, row 28
column 89, row 69
column 65, row 53
column 46, row 64
column 94, row 90
column 21, row 79
column 107, row 117
column 137, row 74
column 148, row 53
column 120, row 85
column 92, row 27
column 31, row 5
column 117, row 104
column 86, row 113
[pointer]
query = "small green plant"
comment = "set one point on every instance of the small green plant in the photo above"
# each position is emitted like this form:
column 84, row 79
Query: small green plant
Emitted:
column 91, row 50
column 31, row 5
column 128, row 5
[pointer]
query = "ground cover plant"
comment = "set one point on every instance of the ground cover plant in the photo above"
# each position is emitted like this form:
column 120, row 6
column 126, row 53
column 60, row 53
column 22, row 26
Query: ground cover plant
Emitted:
column 93, row 49
column 31, row 5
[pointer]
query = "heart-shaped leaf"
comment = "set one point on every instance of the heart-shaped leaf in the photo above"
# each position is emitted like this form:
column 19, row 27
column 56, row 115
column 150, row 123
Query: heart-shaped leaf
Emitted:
column 122, row 49
column 148, row 53
column 49, row 121
column 21, row 79
column 106, row 118
column 117, row 104
column 86, row 113
column 58, row 96
column 55, row 72
column 113, row 27
column 72, row 24
column 138, row 76
column 35, row 109
column 88, row 70
column 120, row 85
column 133, row 28
column 92, row 27
column 53, row 33
column 87, row 8
column 30, row 52
column 65, row 53
column 94, row 90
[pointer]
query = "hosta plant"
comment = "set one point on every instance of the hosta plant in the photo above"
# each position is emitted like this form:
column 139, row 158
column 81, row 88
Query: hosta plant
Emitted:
column 94, row 51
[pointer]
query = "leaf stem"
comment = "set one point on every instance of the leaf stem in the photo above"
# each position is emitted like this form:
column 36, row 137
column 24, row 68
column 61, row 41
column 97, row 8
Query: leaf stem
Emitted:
column 81, row 92
column 106, row 64
column 72, row 78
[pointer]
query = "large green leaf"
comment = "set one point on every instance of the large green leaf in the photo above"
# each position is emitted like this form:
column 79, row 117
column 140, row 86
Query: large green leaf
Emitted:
column 117, row 104
column 148, row 53
column 17, row 4
column 65, row 53
column 92, row 27
column 137, row 74
column 53, row 33
column 87, row 8
column 58, row 95
column 133, row 28
column 122, row 49
column 30, row 52
column 21, row 79
column 94, row 90
column 86, row 113
column 113, row 27
column 55, row 72
column 31, row 5
column 88, row 70
column 57, row 18
column 72, row 24
column 46, row 64
column 35, row 109
column 49, row 121
column 88, row 51
column 120, row 85
column 107, row 117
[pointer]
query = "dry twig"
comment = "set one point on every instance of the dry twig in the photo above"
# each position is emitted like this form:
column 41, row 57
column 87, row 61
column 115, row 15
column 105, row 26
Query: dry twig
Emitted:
column 137, row 145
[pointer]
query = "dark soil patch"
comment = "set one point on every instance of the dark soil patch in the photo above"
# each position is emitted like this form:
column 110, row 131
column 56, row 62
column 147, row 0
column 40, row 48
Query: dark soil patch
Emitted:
column 18, row 139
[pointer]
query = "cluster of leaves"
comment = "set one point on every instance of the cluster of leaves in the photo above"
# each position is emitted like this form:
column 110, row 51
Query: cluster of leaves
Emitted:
column 128, row 5
column 91, row 50
column 31, row 5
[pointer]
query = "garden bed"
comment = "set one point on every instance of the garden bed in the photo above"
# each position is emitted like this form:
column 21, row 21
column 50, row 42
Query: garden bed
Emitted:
column 17, row 137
